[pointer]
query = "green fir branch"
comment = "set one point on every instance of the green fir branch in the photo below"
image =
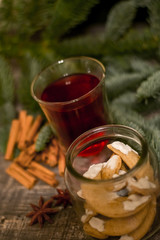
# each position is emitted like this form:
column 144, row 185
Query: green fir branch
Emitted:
column 116, row 64
column 140, row 41
column 8, row 112
column 67, row 14
column 142, row 65
column 154, row 16
column 155, row 120
column 7, row 88
column 133, row 119
column 81, row 45
column 23, row 18
column 129, row 100
column 150, row 88
column 120, row 19
column 142, row 3
column 120, row 116
column 44, row 136
column 153, row 134
column 4, row 132
column 120, row 83
column 30, row 67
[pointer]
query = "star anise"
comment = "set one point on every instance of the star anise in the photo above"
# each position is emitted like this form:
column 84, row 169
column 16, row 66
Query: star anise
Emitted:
column 41, row 212
column 62, row 198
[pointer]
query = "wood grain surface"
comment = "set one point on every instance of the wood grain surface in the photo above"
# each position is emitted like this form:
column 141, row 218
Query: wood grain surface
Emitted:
column 15, row 204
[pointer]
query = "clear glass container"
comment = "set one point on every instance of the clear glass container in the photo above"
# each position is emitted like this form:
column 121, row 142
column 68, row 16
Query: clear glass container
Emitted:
column 74, row 97
column 112, row 200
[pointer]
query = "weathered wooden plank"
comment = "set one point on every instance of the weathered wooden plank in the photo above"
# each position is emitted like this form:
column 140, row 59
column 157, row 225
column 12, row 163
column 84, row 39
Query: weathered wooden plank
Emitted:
column 15, row 203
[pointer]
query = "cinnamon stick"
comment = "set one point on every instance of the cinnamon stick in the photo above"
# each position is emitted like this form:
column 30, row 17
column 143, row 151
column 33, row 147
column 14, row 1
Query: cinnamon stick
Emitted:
column 34, row 128
column 61, row 163
column 51, row 159
column 24, row 159
column 28, row 122
column 42, row 173
column 21, row 175
column 31, row 150
column 22, row 119
column 14, row 130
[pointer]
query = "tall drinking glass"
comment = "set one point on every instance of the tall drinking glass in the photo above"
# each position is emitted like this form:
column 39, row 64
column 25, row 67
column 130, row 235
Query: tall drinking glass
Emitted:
column 72, row 96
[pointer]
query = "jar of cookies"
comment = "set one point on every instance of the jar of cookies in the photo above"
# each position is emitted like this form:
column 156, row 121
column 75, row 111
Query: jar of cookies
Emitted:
column 113, row 178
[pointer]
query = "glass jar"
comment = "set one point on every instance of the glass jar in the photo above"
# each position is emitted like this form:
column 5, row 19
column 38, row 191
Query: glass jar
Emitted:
column 113, row 178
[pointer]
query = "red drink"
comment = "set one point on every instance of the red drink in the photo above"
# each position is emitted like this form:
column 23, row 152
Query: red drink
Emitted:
column 77, row 107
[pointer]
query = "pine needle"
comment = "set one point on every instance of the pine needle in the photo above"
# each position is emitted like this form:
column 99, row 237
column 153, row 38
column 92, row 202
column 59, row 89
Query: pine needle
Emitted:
column 8, row 112
column 81, row 45
column 119, row 83
column 133, row 119
column 155, row 120
column 129, row 100
column 6, row 82
column 150, row 88
column 30, row 67
column 44, row 137
column 120, row 19
column 67, row 14
column 4, row 132
column 154, row 16
column 141, row 65
column 120, row 116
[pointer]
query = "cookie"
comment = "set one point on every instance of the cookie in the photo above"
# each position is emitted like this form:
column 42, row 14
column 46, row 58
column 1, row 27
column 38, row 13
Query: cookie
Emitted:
column 122, row 226
column 142, row 186
column 111, row 167
column 145, row 170
column 89, row 213
column 128, row 155
column 94, row 171
column 141, row 231
column 110, row 204
column 94, row 228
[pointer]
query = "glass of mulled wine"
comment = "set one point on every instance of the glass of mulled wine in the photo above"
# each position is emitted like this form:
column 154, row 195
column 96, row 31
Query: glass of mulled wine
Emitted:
column 72, row 96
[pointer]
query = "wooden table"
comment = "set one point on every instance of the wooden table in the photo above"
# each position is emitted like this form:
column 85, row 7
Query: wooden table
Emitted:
column 15, row 204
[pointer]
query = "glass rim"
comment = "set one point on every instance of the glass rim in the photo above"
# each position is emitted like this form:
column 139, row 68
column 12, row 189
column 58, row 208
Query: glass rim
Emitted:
column 61, row 62
column 76, row 142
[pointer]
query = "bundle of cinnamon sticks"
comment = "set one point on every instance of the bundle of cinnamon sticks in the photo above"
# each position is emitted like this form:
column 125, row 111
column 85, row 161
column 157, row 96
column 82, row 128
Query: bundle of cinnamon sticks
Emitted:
column 30, row 165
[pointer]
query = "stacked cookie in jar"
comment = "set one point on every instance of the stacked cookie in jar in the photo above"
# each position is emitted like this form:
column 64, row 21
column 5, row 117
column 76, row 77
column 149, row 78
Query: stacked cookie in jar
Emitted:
column 115, row 191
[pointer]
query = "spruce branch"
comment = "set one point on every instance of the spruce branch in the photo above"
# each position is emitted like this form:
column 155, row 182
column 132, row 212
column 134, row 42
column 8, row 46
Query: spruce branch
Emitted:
column 142, row 65
column 154, row 16
column 129, row 100
column 120, row 19
column 25, row 19
column 142, row 3
column 153, row 134
column 141, row 42
column 30, row 67
column 6, row 82
column 121, row 116
column 67, row 14
column 8, row 112
column 4, row 132
column 131, row 118
column 150, row 88
column 81, row 45
column 116, row 64
column 155, row 120
column 44, row 137
column 119, row 83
